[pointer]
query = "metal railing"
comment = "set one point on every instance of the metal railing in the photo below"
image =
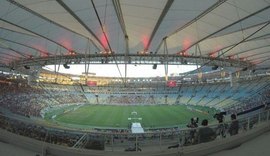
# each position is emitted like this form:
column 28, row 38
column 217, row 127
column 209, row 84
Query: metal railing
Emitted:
column 114, row 140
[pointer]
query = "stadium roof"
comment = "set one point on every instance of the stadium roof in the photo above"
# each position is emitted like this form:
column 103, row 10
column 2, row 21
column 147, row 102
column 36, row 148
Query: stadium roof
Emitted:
column 230, row 30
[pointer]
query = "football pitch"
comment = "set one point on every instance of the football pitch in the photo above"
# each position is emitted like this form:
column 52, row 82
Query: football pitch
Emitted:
column 122, row 116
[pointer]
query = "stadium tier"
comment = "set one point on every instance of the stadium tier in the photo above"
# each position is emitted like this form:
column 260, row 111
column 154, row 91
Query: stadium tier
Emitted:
column 18, row 97
column 102, row 118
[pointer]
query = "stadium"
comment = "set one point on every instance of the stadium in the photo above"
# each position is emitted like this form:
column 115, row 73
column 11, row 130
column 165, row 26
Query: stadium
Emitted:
column 209, row 93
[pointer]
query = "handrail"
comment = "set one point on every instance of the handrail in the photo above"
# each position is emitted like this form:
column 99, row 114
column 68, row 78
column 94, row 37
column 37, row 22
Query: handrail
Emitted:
column 52, row 125
column 164, row 140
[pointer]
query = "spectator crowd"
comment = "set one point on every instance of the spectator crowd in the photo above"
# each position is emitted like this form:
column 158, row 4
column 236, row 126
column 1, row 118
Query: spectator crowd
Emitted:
column 26, row 100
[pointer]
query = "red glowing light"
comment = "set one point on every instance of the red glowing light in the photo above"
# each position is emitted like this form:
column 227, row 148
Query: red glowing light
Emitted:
column 243, row 58
column 186, row 44
column 66, row 43
column 65, row 39
column 183, row 53
column 71, row 52
column 212, row 55
column 215, row 51
column 104, row 40
column 91, row 83
column 145, row 40
column 171, row 83
column 255, row 62
column 231, row 57
column 43, row 52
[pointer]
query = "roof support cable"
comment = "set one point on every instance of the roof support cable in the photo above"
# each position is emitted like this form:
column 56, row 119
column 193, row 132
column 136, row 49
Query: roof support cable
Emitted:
column 228, row 26
column 106, row 38
column 57, row 72
column 105, row 13
column 252, row 39
column 240, row 23
column 48, row 20
column 160, row 44
column 28, row 30
column 119, row 14
column 7, row 54
column 260, row 62
column 160, row 20
column 86, row 63
column 197, row 49
column 218, row 3
column 4, row 59
column 27, row 46
column 127, row 58
column 166, row 60
column 60, row 2
column 265, row 25
column 4, row 46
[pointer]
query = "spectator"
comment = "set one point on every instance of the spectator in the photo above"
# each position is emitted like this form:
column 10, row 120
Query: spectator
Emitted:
column 193, row 124
column 206, row 134
column 233, row 130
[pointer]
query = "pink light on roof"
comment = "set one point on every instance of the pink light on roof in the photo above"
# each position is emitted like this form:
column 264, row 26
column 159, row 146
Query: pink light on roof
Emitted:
column 42, row 50
column 145, row 40
column 215, row 51
column 104, row 41
column 186, row 43
column 66, row 42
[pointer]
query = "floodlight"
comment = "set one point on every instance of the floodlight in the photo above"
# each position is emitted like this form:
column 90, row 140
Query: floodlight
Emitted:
column 215, row 67
column 26, row 67
column 66, row 66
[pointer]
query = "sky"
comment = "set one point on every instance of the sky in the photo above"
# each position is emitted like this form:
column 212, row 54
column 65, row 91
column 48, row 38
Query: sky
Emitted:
column 132, row 70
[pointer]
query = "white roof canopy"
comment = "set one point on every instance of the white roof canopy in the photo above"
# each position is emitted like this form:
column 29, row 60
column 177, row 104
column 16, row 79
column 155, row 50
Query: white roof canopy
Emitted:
column 227, row 28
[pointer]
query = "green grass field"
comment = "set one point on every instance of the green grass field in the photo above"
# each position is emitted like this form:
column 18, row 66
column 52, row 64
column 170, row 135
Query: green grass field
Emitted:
column 117, row 116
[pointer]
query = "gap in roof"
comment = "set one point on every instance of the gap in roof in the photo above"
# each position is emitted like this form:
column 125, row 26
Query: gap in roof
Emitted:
column 132, row 70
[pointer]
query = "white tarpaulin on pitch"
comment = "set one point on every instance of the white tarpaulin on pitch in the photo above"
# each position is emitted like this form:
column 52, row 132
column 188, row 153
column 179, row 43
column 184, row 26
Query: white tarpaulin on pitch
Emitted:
column 137, row 128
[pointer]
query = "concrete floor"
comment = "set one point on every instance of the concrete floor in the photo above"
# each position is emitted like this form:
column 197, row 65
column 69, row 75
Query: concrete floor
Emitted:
column 11, row 150
column 256, row 147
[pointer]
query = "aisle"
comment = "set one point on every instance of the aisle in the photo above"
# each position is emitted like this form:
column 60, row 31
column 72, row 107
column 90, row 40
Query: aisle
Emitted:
column 11, row 150
column 256, row 147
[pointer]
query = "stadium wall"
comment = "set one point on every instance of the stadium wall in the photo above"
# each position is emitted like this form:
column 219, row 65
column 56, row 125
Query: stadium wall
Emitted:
column 201, row 149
